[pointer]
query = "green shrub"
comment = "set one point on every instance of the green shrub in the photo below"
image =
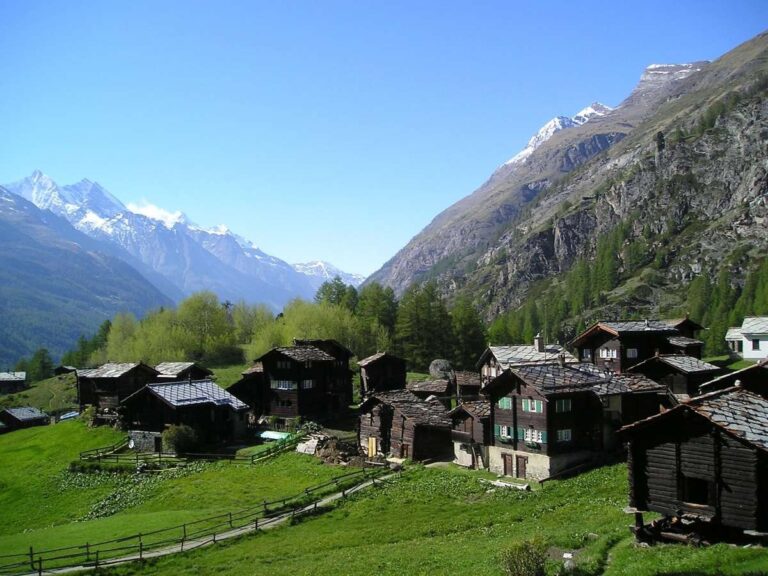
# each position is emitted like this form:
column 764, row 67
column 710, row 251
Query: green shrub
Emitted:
column 525, row 558
column 180, row 439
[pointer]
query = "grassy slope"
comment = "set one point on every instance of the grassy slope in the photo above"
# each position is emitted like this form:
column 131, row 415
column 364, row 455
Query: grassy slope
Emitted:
column 444, row 522
column 54, row 395
column 41, row 502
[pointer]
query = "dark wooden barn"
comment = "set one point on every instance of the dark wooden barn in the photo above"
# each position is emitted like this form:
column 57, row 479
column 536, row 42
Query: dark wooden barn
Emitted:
column 339, row 383
column 468, row 385
column 381, row 372
column 11, row 382
column 471, row 433
column 105, row 387
column 215, row 414
column 399, row 424
column 178, row 371
column 24, row 417
column 704, row 461
column 681, row 374
column 252, row 389
column 754, row 378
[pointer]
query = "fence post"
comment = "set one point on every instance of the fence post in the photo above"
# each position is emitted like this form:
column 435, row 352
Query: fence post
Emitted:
column 97, row 558
column 265, row 508
column 31, row 558
column 230, row 519
column 39, row 566
column 87, row 552
column 255, row 524
column 141, row 550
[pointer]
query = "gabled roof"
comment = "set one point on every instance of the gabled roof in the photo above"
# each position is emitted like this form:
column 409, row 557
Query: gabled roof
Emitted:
column 680, row 362
column 723, row 380
column 684, row 341
column 302, row 354
column 25, row 413
column 478, row 408
column 197, row 392
column 621, row 327
column 508, row 356
column 325, row 344
column 13, row 376
column 736, row 410
column 733, row 333
column 112, row 370
column 421, row 412
column 255, row 368
column 686, row 322
column 439, row 386
column 755, row 325
column 376, row 357
column 465, row 378
column 176, row 368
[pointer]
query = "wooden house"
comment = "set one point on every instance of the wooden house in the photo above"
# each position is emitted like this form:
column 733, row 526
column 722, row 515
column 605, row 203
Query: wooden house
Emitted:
column 750, row 340
column 339, row 382
column 441, row 389
column 381, row 372
column 704, row 461
column 753, row 378
column 548, row 419
column 178, row 371
column 108, row 385
column 11, row 382
column 399, row 424
column 468, row 385
column 495, row 359
column 215, row 414
column 681, row 374
column 471, row 433
column 617, row 346
column 252, row 389
column 62, row 369
column 25, row 417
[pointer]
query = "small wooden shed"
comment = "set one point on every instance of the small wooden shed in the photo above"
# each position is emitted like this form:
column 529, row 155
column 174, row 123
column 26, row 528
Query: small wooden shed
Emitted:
column 471, row 433
column 381, row 372
column 705, row 461
column 11, row 382
column 24, row 417
column 681, row 374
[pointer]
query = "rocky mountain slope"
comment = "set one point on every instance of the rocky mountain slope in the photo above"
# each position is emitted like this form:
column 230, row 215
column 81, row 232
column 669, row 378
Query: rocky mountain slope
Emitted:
column 57, row 284
column 693, row 198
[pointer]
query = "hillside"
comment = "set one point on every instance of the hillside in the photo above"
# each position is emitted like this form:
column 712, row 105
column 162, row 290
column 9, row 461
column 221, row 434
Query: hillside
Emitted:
column 693, row 202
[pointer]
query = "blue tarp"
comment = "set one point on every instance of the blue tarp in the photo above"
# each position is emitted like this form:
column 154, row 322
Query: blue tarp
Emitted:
column 272, row 435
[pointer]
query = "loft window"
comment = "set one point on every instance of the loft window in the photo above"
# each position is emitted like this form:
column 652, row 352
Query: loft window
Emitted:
column 695, row 490
column 586, row 354
column 505, row 403
column 564, row 435
column 608, row 353
column 307, row 384
column 755, row 344
column 631, row 352
column 530, row 405
column 284, row 364
column 563, row 405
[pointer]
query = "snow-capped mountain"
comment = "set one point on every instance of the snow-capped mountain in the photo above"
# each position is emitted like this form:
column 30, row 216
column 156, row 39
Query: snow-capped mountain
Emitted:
column 555, row 125
column 319, row 272
column 175, row 254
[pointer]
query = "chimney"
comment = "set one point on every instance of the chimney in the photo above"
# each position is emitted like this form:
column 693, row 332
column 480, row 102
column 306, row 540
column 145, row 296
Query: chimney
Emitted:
column 538, row 343
column 561, row 359
column 737, row 384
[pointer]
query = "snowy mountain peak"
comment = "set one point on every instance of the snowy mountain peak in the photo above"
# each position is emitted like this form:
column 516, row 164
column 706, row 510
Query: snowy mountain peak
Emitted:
column 319, row 271
column 558, row 123
column 168, row 219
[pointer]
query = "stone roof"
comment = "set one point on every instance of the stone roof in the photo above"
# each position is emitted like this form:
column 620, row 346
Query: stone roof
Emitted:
column 684, row 341
column 680, row 362
column 733, row 376
column 175, row 368
column 733, row 333
column 373, row 358
column 305, row 354
column 421, row 412
column 25, row 413
column 194, row 393
column 478, row 408
column 741, row 412
column 625, row 326
column 256, row 368
column 465, row 378
column 110, row 370
column 755, row 325
column 508, row 356
column 432, row 386
column 13, row 376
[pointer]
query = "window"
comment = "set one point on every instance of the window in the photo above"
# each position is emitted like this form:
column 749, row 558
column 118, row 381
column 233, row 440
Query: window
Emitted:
column 284, row 364
column 532, row 435
column 586, row 354
column 503, row 431
column 307, row 384
column 740, row 345
column 695, row 490
column 308, row 364
column 563, row 405
column 530, row 405
column 631, row 352
column 564, row 435
column 607, row 353
column 283, row 385
column 755, row 344
column 504, row 403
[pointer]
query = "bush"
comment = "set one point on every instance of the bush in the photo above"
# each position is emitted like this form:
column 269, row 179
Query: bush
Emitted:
column 526, row 558
column 180, row 439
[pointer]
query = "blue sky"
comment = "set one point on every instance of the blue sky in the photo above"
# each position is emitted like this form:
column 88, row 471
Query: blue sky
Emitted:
column 319, row 130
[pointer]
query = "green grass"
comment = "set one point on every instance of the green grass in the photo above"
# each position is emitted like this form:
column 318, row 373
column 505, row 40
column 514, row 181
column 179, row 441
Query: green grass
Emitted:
column 726, row 361
column 444, row 521
column 228, row 375
column 53, row 396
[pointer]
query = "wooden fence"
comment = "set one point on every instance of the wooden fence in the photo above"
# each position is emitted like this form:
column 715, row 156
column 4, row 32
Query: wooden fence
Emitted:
column 191, row 534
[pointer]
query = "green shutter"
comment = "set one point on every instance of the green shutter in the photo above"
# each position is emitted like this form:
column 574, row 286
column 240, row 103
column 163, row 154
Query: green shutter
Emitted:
column 544, row 437
column 496, row 430
column 521, row 433
column 526, row 407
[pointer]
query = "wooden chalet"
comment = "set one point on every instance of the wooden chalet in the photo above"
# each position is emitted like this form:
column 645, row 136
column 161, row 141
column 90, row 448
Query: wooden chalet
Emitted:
column 704, row 462
column 339, row 383
column 25, row 417
column 178, row 371
column 381, row 372
column 753, row 378
column 681, row 374
column 215, row 414
column 105, row 387
column 617, row 346
column 441, row 389
column 397, row 423
column 548, row 419
column 471, row 433
column 495, row 359
column 468, row 385
column 252, row 389
column 11, row 382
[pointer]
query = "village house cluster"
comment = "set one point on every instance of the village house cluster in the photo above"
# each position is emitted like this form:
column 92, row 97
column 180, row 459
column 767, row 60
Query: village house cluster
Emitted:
column 695, row 435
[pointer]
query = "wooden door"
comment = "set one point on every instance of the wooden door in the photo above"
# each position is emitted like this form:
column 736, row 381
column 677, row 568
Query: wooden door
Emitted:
column 371, row 446
column 405, row 451
column 508, row 471
column 158, row 444
column 521, row 462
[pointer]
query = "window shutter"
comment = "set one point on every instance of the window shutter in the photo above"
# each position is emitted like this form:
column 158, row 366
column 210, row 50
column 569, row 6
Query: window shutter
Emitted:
column 544, row 437
column 496, row 430
column 525, row 405
column 521, row 433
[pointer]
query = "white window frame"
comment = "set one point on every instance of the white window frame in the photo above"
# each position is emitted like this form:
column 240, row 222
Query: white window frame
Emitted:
column 631, row 352
column 504, row 403
column 283, row 384
column 533, row 435
column 532, row 405
column 307, row 384
column 608, row 353
column 564, row 435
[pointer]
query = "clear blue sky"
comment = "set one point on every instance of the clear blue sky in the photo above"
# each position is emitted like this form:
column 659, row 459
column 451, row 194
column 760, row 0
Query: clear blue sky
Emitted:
column 320, row 130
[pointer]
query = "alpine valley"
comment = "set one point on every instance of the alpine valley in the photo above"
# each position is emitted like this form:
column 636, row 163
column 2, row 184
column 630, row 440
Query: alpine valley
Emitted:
column 73, row 256
column 614, row 212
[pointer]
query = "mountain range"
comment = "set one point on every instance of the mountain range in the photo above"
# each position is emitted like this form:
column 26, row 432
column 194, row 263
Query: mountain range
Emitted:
column 679, row 164
column 166, row 257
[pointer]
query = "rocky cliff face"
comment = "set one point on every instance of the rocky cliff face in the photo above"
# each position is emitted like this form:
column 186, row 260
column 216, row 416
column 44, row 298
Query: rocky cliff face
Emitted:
column 691, row 197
